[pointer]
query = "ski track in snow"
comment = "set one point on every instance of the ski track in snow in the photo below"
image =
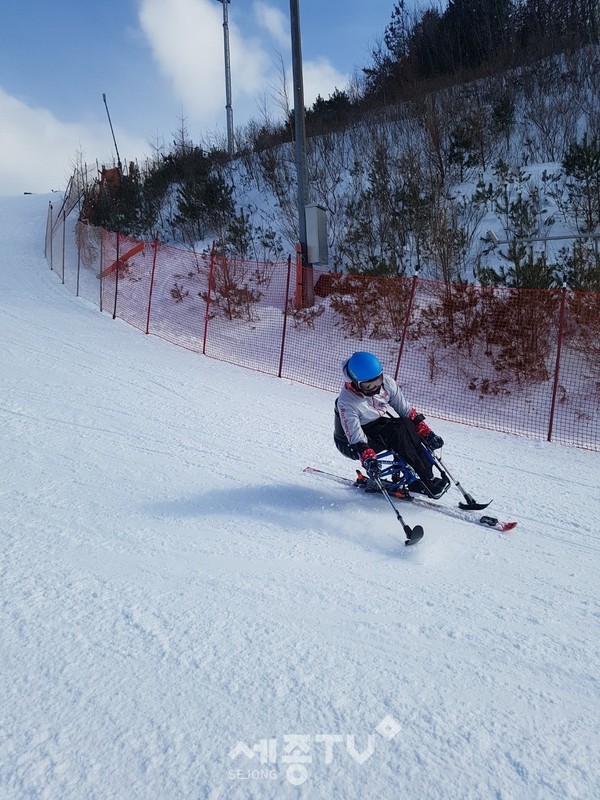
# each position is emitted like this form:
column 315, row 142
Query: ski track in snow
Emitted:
column 172, row 584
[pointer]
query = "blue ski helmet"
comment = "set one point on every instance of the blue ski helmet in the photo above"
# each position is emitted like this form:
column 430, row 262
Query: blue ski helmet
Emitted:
column 364, row 367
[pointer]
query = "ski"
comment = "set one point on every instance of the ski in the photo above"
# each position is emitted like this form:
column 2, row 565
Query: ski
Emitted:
column 457, row 513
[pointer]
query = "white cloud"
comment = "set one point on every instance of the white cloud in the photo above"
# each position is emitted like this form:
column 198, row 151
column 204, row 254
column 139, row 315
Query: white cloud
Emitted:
column 275, row 22
column 186, row 39
column 321, row 78
column 38, row 151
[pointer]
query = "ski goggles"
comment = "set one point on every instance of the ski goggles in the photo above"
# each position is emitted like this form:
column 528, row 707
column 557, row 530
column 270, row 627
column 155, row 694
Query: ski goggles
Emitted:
column 372, row 386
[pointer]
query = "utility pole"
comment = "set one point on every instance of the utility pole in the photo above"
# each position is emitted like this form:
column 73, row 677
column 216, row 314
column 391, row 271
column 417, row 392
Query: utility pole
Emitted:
column 112, row 131
column 228, row 106
column 300, row 135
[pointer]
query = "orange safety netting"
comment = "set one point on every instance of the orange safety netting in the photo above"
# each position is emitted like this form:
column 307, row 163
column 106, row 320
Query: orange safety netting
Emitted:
column 518, row 361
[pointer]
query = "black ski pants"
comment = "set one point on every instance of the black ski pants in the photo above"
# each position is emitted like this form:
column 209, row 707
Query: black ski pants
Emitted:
column 399, row 434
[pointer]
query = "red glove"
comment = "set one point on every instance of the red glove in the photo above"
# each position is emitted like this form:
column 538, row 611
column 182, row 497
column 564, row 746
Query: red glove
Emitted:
column 367, row 455
column 368, row 458
column 423, row 429
column 418, row 420
column 431, row 439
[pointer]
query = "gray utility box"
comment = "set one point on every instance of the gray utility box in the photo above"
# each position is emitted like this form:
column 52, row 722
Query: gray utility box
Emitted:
column 316, row 234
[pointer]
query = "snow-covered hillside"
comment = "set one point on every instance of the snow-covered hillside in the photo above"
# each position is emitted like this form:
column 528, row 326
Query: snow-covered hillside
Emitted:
column 185, row 614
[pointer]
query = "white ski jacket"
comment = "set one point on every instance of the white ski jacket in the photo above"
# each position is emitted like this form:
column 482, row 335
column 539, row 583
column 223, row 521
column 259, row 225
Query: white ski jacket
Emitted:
column 356, row 409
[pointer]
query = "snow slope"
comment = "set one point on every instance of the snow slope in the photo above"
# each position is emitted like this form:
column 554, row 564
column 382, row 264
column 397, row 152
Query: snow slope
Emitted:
column 178, row 596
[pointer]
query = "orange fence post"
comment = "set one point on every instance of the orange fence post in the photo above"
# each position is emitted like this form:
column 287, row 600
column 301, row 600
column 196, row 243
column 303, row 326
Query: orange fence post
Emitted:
column 116, row 280
column 152, row 282
column 210, row 278
column 64, row 216
column 101, row 281
column 407, row 321
column 51, row 240
column 285, row 315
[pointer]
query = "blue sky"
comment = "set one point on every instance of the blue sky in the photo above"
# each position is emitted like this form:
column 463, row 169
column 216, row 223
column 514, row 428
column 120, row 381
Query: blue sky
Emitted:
column 156, row 60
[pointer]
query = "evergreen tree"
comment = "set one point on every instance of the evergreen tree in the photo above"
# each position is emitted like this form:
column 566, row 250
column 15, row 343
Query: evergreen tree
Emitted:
column 582, row 164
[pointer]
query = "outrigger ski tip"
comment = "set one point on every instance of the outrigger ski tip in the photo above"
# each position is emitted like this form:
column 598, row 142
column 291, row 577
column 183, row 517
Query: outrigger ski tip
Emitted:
column 413, row 535
column 416, row 534
column 473, row 506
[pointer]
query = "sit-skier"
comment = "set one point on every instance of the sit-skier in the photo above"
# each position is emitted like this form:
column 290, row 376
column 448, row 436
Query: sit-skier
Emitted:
column 365, row 423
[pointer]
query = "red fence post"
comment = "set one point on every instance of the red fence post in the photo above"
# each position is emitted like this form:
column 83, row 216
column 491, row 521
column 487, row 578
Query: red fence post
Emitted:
column 116, row 279
column 152, row 282
column 101, row 265
column 285, row 315
column 408, row 313
column 210, row 278
column 561, row 323
column 51, row 240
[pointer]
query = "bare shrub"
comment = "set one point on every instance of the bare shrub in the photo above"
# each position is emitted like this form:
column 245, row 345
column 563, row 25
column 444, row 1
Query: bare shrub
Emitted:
column 231, row 290
column 371, row 307
column 178, row 292
column 305, row 316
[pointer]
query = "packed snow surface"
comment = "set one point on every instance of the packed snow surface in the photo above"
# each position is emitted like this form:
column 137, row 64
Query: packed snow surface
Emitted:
column 186, row 614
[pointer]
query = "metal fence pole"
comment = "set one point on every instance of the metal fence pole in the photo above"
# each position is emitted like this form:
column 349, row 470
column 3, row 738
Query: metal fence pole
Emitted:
column 48, row 231
column 64, row 216
column 78, row 270
column 561, row 323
